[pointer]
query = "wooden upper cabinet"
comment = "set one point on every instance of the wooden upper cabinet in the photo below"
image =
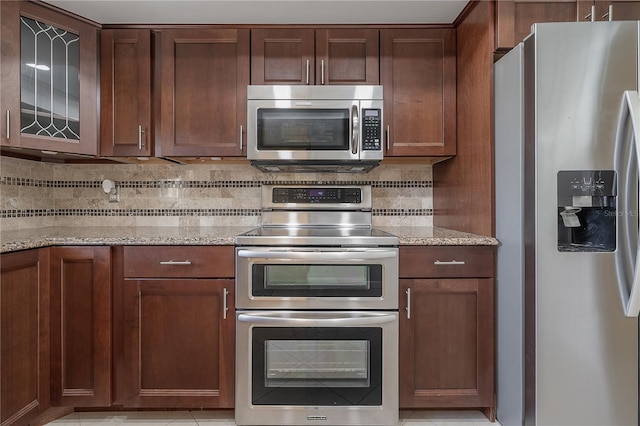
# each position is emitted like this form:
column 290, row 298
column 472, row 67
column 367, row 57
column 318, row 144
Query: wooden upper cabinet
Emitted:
column 203, row 77
column 347, row 56
column 49, row 102
column 125, row 93
column 282, row 56
column 320, row 56
column 418, row 72
column 607, row 10
column 514, row 18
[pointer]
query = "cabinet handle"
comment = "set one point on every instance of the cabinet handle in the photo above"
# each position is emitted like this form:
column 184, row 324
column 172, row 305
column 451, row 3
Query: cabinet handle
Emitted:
column 140, row 138
column 449, row 262
column 322, row 70
column 225, row 308
column 591, row 15
column 8, row 124
column 408, row 307
column 241, row 138
column 307, row 71
column 175, row 262
column 609, row 13
column 388, row 137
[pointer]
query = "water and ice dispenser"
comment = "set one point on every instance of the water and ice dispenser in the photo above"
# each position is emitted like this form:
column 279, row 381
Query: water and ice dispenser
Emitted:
column 587, row 210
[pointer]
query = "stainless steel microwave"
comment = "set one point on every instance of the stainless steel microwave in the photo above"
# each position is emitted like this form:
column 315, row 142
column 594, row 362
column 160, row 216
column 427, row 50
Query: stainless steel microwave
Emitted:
column 314, row 128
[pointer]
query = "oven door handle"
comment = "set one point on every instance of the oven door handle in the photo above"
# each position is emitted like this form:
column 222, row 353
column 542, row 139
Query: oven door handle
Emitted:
column 309, row 321
column 318, row 255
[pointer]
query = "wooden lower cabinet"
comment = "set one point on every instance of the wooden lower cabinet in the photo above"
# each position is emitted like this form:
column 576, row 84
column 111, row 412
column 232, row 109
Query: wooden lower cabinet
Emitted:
column 81, row 326
column 447, row 328
column 24, row 336
column 174, row 337
column 446, row 343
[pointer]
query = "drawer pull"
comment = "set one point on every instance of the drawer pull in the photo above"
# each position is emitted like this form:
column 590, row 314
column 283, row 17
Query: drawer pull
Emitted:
column 175, row 262
column 449, row 262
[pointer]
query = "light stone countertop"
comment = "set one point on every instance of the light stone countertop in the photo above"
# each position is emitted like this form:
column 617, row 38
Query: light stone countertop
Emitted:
column 215, row 235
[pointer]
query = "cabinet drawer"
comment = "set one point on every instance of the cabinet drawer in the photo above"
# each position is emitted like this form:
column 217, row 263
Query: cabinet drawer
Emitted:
column 178, row 261
column 446, row 261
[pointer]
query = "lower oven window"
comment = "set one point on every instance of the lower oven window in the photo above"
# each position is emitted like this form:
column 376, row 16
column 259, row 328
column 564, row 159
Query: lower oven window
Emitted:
column 317, row 363
column 321, row 280
column 317, row 366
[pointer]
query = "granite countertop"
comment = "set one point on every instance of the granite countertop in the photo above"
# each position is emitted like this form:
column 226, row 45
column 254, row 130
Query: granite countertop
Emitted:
column 214, row 235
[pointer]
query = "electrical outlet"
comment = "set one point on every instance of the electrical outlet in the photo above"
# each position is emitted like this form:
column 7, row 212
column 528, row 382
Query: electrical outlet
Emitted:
column 114, row 196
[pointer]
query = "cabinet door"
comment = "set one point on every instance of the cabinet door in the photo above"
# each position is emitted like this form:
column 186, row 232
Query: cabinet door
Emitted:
column 80, row 326
column 418, row 72
column 347, row 56
column 204, row 76
column 621, row 10
column 514, row 18
column 446, row 343
column 24, row 336
column 49, row 71
column 178, row 343
column 125, row 93
column 282, row 56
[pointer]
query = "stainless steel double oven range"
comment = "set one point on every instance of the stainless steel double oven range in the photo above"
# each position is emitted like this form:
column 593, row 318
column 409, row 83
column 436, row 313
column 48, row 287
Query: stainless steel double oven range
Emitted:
column 316, row 311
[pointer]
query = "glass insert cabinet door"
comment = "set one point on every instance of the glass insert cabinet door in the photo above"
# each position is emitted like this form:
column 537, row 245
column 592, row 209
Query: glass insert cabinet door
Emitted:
column 49, row 80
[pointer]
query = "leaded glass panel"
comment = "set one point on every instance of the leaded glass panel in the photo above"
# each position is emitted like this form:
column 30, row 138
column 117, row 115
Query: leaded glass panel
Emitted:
column 49, row 80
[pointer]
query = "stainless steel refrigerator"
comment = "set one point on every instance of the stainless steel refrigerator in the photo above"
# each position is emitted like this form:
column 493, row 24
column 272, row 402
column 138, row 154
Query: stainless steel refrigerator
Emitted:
column 567, row 122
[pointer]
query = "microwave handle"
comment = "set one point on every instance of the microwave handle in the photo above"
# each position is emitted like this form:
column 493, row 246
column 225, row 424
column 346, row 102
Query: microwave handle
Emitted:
column 355, row 129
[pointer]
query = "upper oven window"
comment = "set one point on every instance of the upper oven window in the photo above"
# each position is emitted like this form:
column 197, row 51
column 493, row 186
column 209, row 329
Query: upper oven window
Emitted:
column 316, row 280
column 303, row 129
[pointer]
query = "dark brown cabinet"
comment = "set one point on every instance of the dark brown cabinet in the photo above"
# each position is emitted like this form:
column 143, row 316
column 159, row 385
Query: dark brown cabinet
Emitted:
column 447, row 328
column 125, row 93
column 607, row 10
column 418, row 72
column 24, row 336
column 81, row 326
column 174, row 327
column 314, row 56
column 514, row 18
column 42, row 110
column 203, row 79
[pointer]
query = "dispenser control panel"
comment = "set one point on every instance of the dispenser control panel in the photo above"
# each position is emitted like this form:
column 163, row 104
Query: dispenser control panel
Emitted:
column 585, row 183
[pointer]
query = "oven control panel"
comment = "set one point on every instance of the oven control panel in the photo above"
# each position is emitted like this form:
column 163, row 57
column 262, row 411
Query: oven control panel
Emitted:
column 319, row 195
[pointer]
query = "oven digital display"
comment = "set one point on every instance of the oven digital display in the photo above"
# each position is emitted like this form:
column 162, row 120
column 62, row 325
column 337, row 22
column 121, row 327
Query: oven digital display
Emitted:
column 317, row 195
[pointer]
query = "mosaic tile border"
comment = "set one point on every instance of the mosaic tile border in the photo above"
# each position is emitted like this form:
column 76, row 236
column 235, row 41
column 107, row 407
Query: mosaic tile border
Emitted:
column 16, row 181
column 4, row 214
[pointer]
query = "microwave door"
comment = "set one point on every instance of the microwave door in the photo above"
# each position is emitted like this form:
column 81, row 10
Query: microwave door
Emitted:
column 303, row 130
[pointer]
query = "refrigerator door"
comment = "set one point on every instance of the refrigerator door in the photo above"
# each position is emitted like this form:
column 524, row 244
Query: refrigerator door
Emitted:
column 627, row 160
column 509, row 199
column 581, row 352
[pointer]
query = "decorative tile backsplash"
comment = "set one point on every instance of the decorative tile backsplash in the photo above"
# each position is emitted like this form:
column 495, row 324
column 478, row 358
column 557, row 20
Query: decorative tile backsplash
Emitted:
column 36, row 194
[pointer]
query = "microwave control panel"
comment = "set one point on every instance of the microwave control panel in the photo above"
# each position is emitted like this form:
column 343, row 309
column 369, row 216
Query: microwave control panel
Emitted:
column 371, row 129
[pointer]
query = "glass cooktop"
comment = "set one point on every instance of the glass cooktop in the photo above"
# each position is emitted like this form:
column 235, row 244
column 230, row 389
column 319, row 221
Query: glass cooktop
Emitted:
column 322, row 235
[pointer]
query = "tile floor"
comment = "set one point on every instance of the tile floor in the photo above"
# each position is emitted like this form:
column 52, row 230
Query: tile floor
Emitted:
column 225, row 418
